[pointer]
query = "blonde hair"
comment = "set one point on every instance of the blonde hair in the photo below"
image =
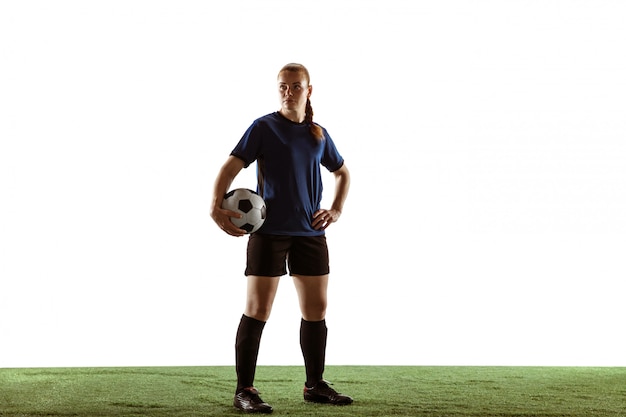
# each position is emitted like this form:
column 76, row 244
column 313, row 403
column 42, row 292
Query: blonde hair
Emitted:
column 316, row 130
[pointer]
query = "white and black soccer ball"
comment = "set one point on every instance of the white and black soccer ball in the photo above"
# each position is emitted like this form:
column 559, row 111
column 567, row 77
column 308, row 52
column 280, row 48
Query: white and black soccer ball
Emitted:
column 249, row 204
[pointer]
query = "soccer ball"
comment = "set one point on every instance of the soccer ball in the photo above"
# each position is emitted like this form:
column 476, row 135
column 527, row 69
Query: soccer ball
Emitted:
column 249, row 204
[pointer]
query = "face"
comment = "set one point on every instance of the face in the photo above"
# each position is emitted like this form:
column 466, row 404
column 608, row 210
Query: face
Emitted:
column 293, row 90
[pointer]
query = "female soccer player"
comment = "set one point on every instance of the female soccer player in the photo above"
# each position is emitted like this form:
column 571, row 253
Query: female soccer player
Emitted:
column 289, row 149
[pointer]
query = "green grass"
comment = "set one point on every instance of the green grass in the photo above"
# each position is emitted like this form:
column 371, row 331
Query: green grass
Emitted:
column 378, row 391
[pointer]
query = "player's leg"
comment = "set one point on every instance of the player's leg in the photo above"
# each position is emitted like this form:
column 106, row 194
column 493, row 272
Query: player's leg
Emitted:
column 259, row 300
column 312, row 296
column 260, row 297
column 309, row 266
column 265, row 264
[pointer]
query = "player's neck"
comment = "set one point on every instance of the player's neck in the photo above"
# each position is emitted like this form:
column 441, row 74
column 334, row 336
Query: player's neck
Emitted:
column 293, row 115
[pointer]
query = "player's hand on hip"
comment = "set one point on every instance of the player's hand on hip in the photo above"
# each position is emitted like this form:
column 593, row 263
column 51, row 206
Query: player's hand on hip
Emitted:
column 323, row 218
column 222, row 219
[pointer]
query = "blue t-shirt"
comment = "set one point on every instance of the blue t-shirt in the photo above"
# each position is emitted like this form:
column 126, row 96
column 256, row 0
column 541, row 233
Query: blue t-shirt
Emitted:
column 288, row 160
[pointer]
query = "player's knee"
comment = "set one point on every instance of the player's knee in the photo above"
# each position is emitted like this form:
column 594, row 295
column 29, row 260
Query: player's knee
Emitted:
column 314, row 312
column 258, row 312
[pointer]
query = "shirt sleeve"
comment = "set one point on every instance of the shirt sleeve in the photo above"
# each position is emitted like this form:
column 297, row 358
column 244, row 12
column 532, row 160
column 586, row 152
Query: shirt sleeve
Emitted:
column 331, row 159
column 249, row 146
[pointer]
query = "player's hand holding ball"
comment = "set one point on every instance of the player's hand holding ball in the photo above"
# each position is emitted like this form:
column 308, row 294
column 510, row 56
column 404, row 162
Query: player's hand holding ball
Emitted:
column 222, row 218
column 243, row 212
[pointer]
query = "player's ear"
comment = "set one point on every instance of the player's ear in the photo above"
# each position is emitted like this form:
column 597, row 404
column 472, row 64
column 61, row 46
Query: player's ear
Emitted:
column 310, row 91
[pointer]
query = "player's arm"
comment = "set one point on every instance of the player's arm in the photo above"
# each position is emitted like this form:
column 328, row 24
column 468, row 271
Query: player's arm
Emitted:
column 323, row 218
column 224, row 180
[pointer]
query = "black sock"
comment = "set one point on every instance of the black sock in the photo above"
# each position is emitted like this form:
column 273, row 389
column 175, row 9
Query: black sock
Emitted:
column 247, row 350
column 313, row 335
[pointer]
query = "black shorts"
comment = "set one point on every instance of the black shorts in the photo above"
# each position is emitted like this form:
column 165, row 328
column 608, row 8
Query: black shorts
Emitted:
column 268, row 255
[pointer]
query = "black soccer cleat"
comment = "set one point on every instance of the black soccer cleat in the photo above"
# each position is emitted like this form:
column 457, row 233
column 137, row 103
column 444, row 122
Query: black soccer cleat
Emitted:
column 323, row 393
column 248, row 400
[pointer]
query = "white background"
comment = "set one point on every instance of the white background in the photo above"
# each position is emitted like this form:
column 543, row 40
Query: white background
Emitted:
column 486, row 223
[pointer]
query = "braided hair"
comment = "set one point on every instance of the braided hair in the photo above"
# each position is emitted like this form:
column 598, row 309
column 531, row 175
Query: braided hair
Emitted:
column 316, row 130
